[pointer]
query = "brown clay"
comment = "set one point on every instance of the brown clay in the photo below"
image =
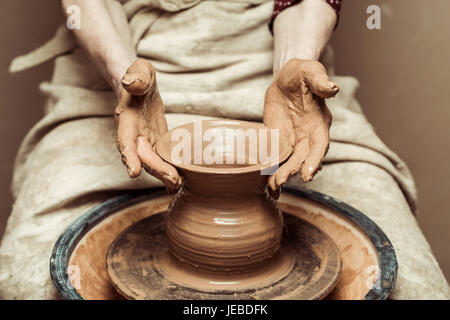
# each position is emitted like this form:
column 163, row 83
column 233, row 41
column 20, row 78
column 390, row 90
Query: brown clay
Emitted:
column 274, row 270
column 295, row 103
column 223, row 219
column 359, row 258
column 307, row 266
column 89, row 255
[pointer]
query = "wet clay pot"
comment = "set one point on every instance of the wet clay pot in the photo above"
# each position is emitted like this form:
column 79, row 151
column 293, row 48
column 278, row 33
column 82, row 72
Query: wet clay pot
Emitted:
column 223, row 219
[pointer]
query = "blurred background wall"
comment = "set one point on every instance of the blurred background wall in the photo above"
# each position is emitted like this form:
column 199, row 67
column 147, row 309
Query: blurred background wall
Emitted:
column 403, row 69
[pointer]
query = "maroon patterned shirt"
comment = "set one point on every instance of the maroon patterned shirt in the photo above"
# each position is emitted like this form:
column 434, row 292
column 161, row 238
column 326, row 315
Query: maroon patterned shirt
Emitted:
column 280, row 5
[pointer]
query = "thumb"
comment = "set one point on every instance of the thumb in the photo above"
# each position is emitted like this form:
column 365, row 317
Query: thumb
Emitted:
column 139, row 77
column 137, row 84
column 317, row 79
column 321, row 86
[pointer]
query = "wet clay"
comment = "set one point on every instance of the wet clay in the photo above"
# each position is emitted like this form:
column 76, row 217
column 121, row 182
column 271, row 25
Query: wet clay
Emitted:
column 359, row 258
column 224, row 234
column 223, row 219
column 307, row 266
column 272, row 271
column 89, row 255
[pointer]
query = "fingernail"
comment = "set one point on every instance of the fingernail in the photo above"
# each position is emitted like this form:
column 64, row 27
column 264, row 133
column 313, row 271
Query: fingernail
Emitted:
column 306, row 176
column 333, row 86
column 126, row 81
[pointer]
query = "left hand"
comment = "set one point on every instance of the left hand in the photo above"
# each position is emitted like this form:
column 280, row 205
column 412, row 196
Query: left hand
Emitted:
column 140, row 123
column 295, row 104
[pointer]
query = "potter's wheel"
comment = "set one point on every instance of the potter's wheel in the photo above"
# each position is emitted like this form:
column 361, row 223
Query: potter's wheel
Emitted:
column 78, row 266
column 140, row 266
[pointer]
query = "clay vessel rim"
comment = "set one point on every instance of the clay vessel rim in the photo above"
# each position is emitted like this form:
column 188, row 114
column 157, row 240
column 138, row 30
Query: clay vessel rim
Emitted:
column 162, row 150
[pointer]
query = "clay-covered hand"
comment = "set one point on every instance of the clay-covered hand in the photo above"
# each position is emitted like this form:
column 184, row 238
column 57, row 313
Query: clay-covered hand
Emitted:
column 295, row 104
column 140, row 122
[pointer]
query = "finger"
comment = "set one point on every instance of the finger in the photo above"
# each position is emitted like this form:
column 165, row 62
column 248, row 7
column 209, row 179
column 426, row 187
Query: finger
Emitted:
column 290, row 168
column 157, row 167
column 127, row 144
column 323, row 87
column 318, row 81
column 319, row 142
column 139, row 77
column 137, row 84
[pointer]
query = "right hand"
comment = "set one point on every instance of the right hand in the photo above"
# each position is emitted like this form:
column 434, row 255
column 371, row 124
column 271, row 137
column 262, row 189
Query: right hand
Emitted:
column 295, row 104
column 140, row 122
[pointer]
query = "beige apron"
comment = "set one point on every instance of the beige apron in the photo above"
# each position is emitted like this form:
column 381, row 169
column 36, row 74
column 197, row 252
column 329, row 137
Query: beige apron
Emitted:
column 213, row 59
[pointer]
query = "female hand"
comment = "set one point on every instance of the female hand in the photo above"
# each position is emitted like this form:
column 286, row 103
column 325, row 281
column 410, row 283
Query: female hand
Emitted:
column 295, row 104
column 140, row 122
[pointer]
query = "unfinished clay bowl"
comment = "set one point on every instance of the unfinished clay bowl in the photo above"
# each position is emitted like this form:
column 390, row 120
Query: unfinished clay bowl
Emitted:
column 78, row 267
column 223, row 219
